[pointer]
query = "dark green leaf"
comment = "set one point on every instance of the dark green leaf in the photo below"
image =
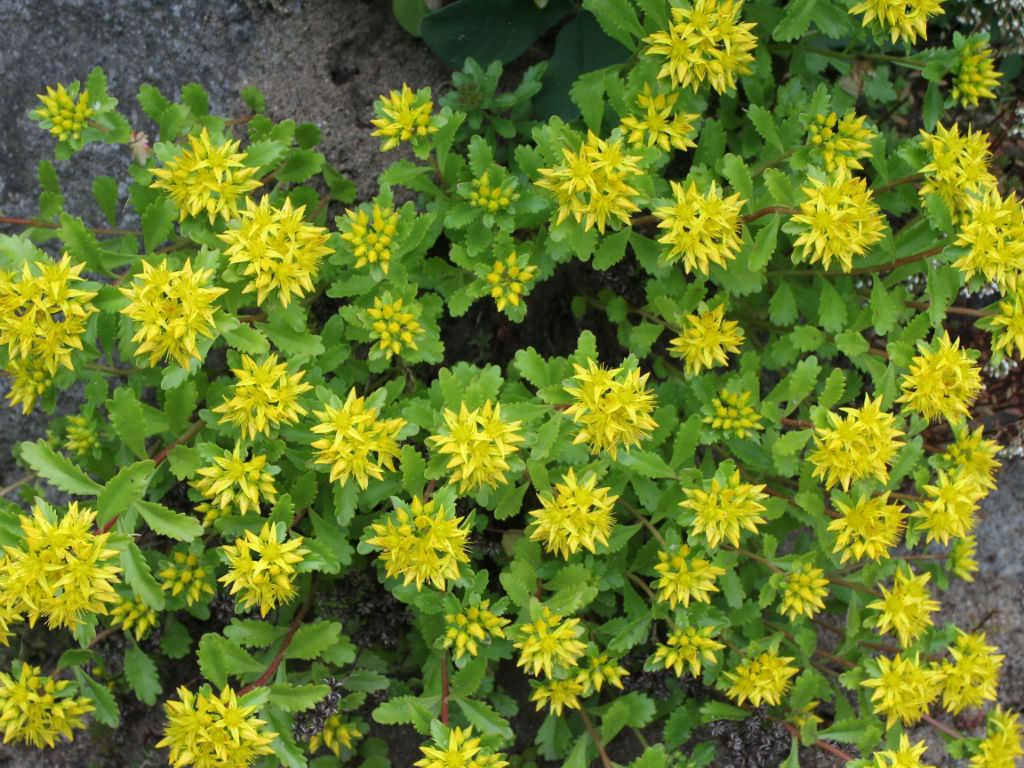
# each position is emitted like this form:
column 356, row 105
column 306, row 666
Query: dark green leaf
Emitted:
column 125, row 488
column 57, row 470
column 738, row 175
column 932, row 109
column 482, row 716
column 296, row 698
column 300, row 165
column 194, row 97
column 764, row 122
column 253, row 99
column 795, row 21
column 140, row 671
column 167, row 522
column 310, row 640
column 102, row 699
column 618, row 19
column 104, row 189
column 127, row 418
column 139, row 577
column 219, row 657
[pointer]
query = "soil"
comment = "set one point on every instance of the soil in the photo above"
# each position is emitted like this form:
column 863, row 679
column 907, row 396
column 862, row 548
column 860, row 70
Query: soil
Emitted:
column 325, row 61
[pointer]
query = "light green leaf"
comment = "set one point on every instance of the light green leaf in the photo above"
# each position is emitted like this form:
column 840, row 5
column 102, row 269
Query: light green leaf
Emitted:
column 219, row 658
column 125, row 488
column 57, row 470
column 764, row 122
column 127, row 417
column 482, row 716
column 296, row 698
column 139, row 577
column 140, row 670
column 310, row 640
column 254, row 633
column 103, row 700
column 167, row 522
column 738, row 174
column 618, row 19
column 795, row 21
column 104, row 189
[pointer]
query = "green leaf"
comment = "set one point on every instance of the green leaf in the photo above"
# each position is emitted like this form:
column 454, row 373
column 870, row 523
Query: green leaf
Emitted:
column 366, row 680
column 618, row 19
column 482, row 716
column 738, row 175
column 296, row 698
column 140, row 670
column 140, row 578
column 176, row 640
column 764, row 122
column 79, row 240
column 56, row 470
column 944, row 283
column 410, row 13
column 795, row 21
column 835, row 386
column 886, row 307
column 219, row 657
column 194, row 97
column 310, row 640
column 687, row 438
column 611, row 251
column 653, row 757
column 831, row 308
column 102, row 699
column 128, row 418
column 587, row 93
column 413, row 470
column 721, row 710
column 405, row 710
column 262, row 154
column 680, row 724
column 152, row 101
column 938, row 213
column 782, row 309
column 125, row 488
column 300, row 165
column 646, row 463
column 852, row 343
column 779, row 186
column 104, row 189
column 253, row 632
column 167, row 522
column 510, row 500
column 933, row 106
column 247, row 339
column 253, row 99
column 711, row 145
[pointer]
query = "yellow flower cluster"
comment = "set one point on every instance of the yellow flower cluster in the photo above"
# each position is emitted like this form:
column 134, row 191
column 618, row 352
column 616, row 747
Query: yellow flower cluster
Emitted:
column 335, row 734
column 974, row 457
column 903, row 19
column 705, row 42
column 574, row 516
column 558, row 694
column 465, row 630
column 357, row 443
column 701, row 229
column 263, row 396
column 598, row 670
column 278, row 249
column 394, row 327
column 1002, row 743
column 688, row 647
column 762, row 680
column 38, row 710
column 186, row 574
column 975, row 75
column 839, row 220
column 949, row 506
column 870, row 527
column 706, row 340
column 992, row 233
column 235, row 485
column 207, row 177
column 132, row 614
column 371, row 237
column 421, row 543
column 209, row 731
column 459, row 748
column 861, row 444
column 907, row 608
column 477, row 443
column 593, row 185
column 508, row 279
column 942, row 381
column 841, row 142
column 262, row 567
column 972, row 676
column 611, row 412
column 683, row 578
column 81, row 435
column 64, row 113
column 492, row 196
column 660, row 125
column 174, row 308
column 62, row 571
column 731, row 414
column 906, row 756
column 403, row 116
column 904, row 688
column 548, row 644
column 722, row 511
column 958, row 168
column 805, row 591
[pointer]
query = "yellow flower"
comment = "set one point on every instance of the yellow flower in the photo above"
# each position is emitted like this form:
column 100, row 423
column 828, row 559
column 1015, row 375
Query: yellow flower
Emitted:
column 234, row 485
column 403, row 116
column 941, row 382
column 43, row 317
column 81, row 435
column 460, row 749
column 557, row 695
column 861, row 444
column 731, row 414
column 993, row 234
column 262, row 567
column 425, row 542
column 974, row 75
column 38, row 710
column 64, row 113
column 961, row 558
column 185, row 573
column 63, row 570
column 492, row 195
column 611, row 412
column 508, row 279
column 1002, row 745
column 841, row 142
column 870, row 527
column 660, row 123
column 690, row 646
column 263, row 396
column 683, row 580
column 371, row 238
column 207, row 177
column 335, row 735
column 701, row 229
column 471, row 626
column 949, row 510
column 279, row 250
column 903, row 19
column 974, row 457
column 209, row 731
column 958, row 169
column 549, row 643
column 477, row 444
column 593, row 185
column 705, row 43
column 973, row 674
column 722, row 511
column 904, row 689
column 907, row 609
column 763, row 680
column 29, row 380
column 598, row 670
column 805, row 591
column 906, row 756
column 706, row 339
column 839, row 220
column 1008, row 327
column 174, row 308
column 133, row 614
column 396, row 329
column 575, row 516
column 354, row 434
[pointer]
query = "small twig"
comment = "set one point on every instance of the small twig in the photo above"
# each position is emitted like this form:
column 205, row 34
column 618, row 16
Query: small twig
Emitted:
column 279, row 656
column 597, row 739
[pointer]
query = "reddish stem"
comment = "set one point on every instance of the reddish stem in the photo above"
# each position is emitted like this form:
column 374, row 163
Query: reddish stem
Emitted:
column 279, row 656
column 40, row 224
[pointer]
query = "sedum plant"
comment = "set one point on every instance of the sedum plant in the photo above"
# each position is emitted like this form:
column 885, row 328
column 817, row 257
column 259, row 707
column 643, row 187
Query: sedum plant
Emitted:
column 734, row 451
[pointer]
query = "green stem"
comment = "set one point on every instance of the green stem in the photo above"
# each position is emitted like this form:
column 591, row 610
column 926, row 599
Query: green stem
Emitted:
column 771, row 163
column 902, row 61
column 753, row 556
column 768, row 211
column 913, row 178
column 112, row 370
column 954, row 310
column 642, row 584
column 41, row 224
column 854, row 586
column 279, row 656
column 647, row 524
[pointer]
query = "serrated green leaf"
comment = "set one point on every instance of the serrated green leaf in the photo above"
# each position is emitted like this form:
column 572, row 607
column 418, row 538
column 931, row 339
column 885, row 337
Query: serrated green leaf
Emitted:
column 139, row 577
column 127, row 417
column 852, row 343
column 782, row 309
column 254, row 633
column 140, row 671
column 680, row 724
column 194, row 97
column 254, row 99
column 944, row 283
column 247, row 339
column 611, row 251
column 764, row 122
column 125, row 488
column 263, row 154
column 646, row 463
column 738, row 175
column 300, row 165
column 219, row 658
column 57, row 470
column 176, row 640
column 104, row 189
column 831, row 308
column 587, row 93
column 153, row 102
column 938, row 213
column 532, row 366
column 779, row 186
column 167, row 522
column 835, row 386
column 482, row 716
column 795, row 21
column 886, row 307
column 105, row 711
column 405, row 710
column 933, row 106
column 510, row 500
column 413, row 470
column 310, row 640
column 297, row 698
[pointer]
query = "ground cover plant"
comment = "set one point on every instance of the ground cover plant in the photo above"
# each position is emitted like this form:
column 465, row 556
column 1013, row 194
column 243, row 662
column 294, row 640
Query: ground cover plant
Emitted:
column 306, row 500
